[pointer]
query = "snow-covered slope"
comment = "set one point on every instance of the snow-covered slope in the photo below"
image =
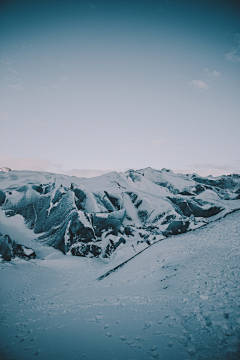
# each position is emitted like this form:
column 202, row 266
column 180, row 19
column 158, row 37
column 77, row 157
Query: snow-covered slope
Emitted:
column 177, row 300
column 97, row 216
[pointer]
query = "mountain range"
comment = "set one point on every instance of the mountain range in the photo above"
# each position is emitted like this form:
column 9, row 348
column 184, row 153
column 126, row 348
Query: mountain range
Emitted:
column 96, row 217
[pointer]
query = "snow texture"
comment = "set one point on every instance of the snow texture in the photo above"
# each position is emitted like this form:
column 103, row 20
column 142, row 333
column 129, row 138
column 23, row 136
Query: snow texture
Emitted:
column 178, row 299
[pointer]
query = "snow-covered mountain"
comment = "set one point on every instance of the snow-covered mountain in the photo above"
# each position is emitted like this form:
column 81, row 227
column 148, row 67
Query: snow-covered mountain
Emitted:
column 177, row 299
column 93, row 217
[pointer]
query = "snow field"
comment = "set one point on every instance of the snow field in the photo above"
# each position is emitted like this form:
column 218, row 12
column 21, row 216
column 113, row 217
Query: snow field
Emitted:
column 179, row 299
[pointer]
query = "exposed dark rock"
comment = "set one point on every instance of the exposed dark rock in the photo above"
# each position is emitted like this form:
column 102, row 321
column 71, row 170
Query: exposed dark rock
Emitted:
column 114, row 200
column 112, row 246
column 39, row 189
column 25, row 205
column 191, row 207
column 24, row 252
column 168, row 218
column 6, row 248
column 176, row 227
column 81, row 198
column 133, row 196
column 138, row 204
column 176, row 207
column 143, row 215
column 225, row 182
column 167, row 170
column 42, row 211
column 47, row 188
column 102, row 198
column 154, row 230
column 94, row 249
column 105, row 221
column 9, row 249
column 199, row 212
column 186, row 193
column 59, row 194
column 168, row 186
column 2, row 197
column 78, row 231
column 183, row 205
column 129, row 231
column 199, row 189
column 10, row 213
column 22, row 189
column 158, row 217
column 134, row 176
column 87, row 250
column 80, row 194
column 162, row 183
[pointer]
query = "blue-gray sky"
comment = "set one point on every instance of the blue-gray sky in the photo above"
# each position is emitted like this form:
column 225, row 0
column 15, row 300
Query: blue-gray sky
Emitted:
column 120, row 84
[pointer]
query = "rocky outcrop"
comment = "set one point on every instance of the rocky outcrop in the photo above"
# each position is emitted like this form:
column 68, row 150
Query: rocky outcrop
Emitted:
column 84, row 233
column 2, row 197
column 176, row 227
column 105, row 221
column 197, row 208
column 6, row 247
column 86, row 250
column 24, row 252
column 96, row 249
column 9, row 249
column 223, row 182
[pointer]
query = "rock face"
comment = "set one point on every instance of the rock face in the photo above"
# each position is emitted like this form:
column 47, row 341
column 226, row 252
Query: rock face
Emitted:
column 196, row 208
column 94, row 249
column 105, row 221
column 24, row 252
column 96, row 216
column 9, row 249
column 6, row 247
column 2, row 197
column 176, row 227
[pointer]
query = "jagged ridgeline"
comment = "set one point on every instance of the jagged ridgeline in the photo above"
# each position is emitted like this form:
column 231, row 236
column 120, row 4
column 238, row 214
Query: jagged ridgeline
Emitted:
column 96, row 216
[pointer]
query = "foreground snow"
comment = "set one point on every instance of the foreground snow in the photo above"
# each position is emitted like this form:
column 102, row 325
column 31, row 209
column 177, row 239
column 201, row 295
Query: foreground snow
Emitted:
column 179, row 299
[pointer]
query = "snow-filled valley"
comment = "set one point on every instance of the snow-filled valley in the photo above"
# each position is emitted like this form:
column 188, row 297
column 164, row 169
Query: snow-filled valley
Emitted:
column 177, row 299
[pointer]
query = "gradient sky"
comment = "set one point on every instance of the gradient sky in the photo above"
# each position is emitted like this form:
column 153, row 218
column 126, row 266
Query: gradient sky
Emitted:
column 120, row 84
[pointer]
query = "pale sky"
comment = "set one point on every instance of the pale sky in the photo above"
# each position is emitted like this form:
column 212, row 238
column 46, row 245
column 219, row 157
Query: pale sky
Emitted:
column 112, row 85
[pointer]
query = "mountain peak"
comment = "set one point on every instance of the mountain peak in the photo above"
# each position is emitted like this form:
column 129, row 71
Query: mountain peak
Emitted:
column 5, row 169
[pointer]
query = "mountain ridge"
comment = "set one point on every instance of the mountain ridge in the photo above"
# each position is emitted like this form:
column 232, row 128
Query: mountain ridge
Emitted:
column 96, row 216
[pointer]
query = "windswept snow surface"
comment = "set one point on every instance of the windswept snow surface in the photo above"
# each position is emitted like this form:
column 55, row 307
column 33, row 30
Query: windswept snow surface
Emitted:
column 179, row 299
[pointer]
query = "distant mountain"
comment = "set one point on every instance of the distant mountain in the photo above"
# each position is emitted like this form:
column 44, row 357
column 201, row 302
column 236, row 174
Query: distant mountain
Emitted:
column 5, row 169
column 131, row 210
